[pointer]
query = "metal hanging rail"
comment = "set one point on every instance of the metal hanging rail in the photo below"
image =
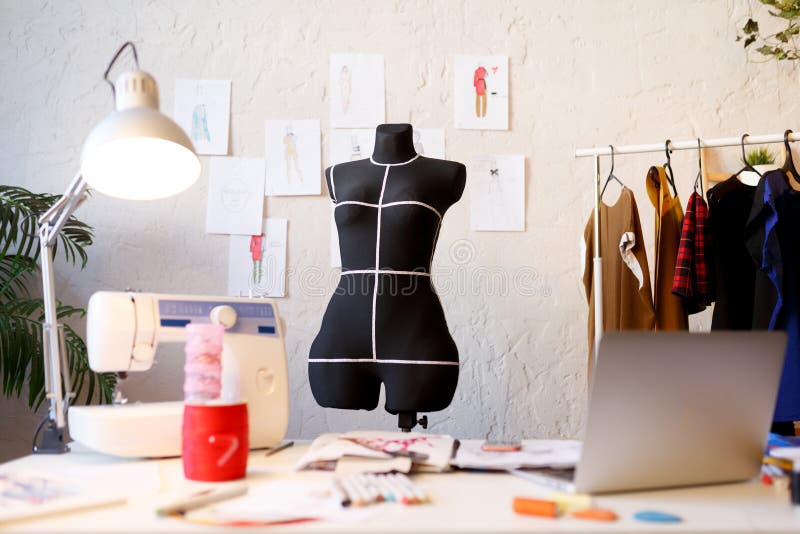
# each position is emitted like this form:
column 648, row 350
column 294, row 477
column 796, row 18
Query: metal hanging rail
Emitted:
column 691, row 144
column 684, row 145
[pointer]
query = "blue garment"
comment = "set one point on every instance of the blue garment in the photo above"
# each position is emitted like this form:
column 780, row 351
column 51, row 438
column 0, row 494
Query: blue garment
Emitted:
column 771, row 236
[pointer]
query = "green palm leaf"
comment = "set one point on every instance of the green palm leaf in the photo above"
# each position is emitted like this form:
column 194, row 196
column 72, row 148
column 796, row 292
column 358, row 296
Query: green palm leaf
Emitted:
column 21, row 317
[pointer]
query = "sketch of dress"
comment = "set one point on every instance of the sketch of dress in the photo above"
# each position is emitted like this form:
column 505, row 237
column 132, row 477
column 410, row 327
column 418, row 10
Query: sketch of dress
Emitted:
column 495, row 185
column 256, row 253
column 418, row 143
column 290, row 155
column 345, row 88
column 200, row 124
column 262, row 280
column 355, row 148
column 235, row 195
column 479, row 82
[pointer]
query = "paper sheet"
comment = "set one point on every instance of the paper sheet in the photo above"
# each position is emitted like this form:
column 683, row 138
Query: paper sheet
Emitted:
column 357, row 91
column 429, row 142
column 293, row 157
column 497, row 193
column 283, row 501
column 202, row 109
column 31, row 494
column 257, row 264
column 329, row 447
column 235, row 196
column 481, row 92
column 534, row 453
column 351, row 144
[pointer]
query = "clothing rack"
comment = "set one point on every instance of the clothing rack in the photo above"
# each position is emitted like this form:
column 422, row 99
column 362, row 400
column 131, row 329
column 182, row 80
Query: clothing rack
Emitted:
column 690, row 144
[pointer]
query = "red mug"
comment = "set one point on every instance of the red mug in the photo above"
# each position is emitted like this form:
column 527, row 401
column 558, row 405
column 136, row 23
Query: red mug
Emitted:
column 215, row 441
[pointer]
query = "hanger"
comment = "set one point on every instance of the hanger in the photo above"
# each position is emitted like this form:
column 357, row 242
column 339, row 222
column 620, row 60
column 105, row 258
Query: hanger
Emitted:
column 747, row 166
column 668, row 168
column 698, row 181
column 611, row 175
column 788, row 163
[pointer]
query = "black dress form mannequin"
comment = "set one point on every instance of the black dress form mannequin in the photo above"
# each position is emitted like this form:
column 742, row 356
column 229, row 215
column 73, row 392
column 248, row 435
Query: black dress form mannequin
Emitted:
column 384, row 323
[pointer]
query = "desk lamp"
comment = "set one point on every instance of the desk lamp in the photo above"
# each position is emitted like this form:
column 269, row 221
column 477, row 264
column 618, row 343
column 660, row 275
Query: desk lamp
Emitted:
column 135, row 153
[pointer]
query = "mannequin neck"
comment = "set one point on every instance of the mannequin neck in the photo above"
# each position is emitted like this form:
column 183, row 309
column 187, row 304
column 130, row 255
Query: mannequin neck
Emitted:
column 394, row 143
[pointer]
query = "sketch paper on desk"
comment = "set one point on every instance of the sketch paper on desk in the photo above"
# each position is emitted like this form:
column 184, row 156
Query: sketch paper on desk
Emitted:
column 481, row 92
column 280, row 502
column 202, row 109
column 497, row 193
column 429, row 142
column 33, row 494
column 351, row 144
column 536, row 453
column 235, row 196
column 357, row 90
column 336, row 258
column 257, row 263
column 293, row 157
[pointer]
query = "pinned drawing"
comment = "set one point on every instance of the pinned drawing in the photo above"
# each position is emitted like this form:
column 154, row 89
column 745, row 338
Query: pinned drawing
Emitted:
column 429, row 142
column 202, row 109
column 351, row 145
column 235, row 196
column 257, row 263
column 293, row 157
column 481, row 92
column 290, row 155
column 200, row 124
column 357, row 90
column 345, row 88
column 497, row 193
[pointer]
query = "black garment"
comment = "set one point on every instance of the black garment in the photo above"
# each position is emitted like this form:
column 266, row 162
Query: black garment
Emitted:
column 734, row 272
column 783, row 428
column 771, row 236
column 384, row 322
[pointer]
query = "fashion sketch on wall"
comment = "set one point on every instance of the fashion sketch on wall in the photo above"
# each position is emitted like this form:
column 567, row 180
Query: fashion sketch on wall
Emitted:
column 497, row 193
column 294, row 163
column 235, row 196
column 350, row 144
column 257, row 263
column 356, row 90
column 481, row 92
column 429, row 142
column 202, row 109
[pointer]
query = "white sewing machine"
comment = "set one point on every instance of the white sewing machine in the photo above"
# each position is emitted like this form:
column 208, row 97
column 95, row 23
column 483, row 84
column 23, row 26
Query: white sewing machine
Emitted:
column 123, row 332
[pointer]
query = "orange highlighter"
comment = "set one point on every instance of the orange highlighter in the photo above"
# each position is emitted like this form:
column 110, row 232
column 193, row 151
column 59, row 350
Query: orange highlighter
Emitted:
column 554, row 509
column 537, row 507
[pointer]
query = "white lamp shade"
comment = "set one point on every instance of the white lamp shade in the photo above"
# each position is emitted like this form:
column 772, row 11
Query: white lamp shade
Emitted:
column 137, row 152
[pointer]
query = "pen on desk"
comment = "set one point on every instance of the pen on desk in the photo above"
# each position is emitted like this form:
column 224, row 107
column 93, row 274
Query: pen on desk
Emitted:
column 278, row 448
column 202, row 498
column 342, row 495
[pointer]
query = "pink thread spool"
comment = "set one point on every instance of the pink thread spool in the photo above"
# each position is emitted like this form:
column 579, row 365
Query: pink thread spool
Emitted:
column 203, row 368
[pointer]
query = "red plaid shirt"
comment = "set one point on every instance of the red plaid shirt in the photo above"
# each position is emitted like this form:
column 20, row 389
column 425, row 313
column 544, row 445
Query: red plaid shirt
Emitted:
column 692, row 279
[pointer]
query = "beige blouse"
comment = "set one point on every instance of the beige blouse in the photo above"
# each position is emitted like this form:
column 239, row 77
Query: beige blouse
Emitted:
column 627, row 298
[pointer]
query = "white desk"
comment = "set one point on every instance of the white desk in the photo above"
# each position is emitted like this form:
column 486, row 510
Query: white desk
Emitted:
column 476, row 502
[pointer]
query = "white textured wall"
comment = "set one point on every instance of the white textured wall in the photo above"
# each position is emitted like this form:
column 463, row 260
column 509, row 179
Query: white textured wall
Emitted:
column 581, row 73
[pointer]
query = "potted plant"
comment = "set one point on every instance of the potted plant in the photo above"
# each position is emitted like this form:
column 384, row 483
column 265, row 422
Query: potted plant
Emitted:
column 762, row 160
column 22, row 314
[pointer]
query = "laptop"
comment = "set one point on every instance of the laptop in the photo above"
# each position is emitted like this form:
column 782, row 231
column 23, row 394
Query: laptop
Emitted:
column 669, row 409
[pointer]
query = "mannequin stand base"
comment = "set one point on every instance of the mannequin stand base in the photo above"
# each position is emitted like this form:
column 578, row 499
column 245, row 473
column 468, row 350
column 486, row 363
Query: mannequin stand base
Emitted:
column 408, row 420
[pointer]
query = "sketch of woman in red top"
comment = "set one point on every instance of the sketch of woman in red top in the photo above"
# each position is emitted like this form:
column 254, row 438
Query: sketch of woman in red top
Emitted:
column 479, row 81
